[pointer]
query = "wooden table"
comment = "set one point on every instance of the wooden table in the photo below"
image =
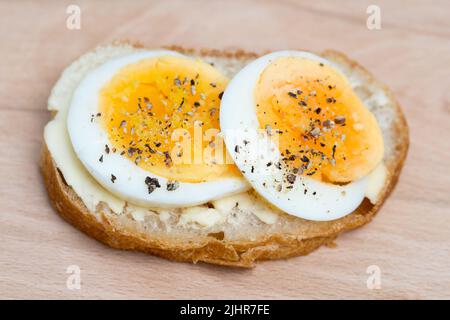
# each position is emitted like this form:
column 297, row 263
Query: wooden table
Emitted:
column 410, row 238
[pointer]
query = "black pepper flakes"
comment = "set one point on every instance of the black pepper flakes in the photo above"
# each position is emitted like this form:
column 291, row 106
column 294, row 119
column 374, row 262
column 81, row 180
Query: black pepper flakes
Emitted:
column 137, row 160
column 181, row 104
column 152, row 184
column 291, row 178
column 149, row 148
column 131, row 151
column 168, row 159
column 172, row 185
column 339, row 120
column 328, row 123
column 113, row 178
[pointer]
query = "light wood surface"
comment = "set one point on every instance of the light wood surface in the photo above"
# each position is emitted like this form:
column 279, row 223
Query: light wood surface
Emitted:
column 410, row 238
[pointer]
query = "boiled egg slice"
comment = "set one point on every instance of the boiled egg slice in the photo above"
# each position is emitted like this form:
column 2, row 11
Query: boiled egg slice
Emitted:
column 300, row 134
column 146, row 125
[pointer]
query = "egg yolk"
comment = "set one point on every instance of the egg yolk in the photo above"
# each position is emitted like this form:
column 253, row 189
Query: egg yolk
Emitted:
column 323, row 129
column 163, row 114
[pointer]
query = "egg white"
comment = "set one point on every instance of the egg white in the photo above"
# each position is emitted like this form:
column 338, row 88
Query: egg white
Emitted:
column 238, row 120
column 89, row 139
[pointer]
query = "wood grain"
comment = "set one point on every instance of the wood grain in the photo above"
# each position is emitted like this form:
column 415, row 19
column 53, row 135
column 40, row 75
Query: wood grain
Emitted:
column 409, row 240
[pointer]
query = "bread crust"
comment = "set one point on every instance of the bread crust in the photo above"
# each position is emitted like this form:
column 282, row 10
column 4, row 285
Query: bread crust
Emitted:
column 209, row 249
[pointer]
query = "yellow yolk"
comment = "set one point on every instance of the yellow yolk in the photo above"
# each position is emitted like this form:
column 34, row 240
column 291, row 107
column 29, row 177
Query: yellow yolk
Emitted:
column 163, row 114
column 323, row 129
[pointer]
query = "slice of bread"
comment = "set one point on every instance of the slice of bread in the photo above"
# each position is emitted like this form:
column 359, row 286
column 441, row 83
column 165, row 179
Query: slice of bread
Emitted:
column 242, row 236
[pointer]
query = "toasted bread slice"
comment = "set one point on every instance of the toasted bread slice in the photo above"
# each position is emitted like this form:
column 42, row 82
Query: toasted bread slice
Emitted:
column 241, row 237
